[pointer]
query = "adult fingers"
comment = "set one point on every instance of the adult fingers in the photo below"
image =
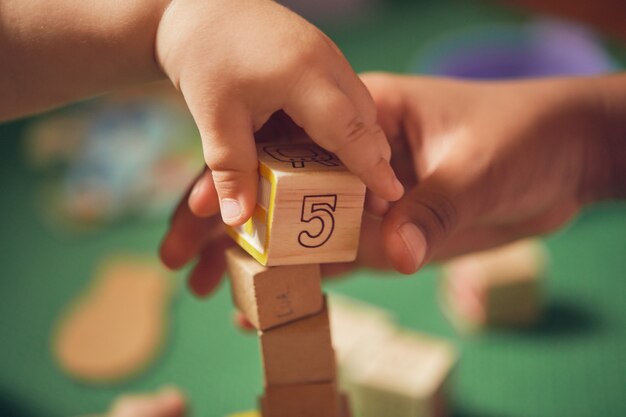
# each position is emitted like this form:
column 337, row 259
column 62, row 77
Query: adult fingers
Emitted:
column 482, row 237
column 166, row 403
column 203, row 200
column 331, row 119
column 209, row 271
column 187, row 235
column 242, row 322
column 424, row 219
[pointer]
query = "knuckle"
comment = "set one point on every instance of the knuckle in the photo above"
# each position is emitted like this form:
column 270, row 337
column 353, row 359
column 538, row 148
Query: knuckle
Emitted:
column 229, row 180
column 436, row 214
column 352, row 132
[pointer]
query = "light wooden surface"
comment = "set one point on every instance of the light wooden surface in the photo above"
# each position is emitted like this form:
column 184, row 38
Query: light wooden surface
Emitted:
column 308, row 211
column 299, row 352
column 271, row 296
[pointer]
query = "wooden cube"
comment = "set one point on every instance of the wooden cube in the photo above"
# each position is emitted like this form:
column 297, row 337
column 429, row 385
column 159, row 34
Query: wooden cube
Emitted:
column 501, row 286
column 308, row 210
column 271, row 296
column 406, row 379
column 303, row 400
column 299, row 352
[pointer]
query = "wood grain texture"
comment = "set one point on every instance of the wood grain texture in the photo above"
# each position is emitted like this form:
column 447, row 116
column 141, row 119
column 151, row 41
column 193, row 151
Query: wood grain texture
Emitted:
column 299, row 352
column 308, row 211
column 303, row 400
column 272, row 296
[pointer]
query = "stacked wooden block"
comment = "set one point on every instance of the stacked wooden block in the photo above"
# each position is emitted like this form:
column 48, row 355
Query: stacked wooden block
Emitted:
column 308, row 212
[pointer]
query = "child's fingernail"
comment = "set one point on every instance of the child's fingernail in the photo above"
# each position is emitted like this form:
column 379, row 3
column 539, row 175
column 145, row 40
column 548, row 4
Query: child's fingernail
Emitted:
column 231, row 210
column 197, row 188
column 415, row 243
column 397, row 186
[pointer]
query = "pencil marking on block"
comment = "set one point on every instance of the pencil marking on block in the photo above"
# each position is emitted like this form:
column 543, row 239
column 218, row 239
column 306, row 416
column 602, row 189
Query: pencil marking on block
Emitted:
column 298, row 155
column 271, row 296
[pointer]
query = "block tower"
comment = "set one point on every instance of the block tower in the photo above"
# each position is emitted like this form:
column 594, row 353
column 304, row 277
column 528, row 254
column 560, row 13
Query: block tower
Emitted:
column 308, row 212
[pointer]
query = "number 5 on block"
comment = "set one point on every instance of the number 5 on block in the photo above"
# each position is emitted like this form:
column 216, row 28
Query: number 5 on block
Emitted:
column 309, row 208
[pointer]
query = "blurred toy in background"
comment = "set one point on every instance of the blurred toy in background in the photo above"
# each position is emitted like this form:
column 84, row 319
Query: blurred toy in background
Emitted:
column 544, row 47
column 117, row 327
column 388, row 370
column 130, row 154
column 498, row 287
column 166, row 402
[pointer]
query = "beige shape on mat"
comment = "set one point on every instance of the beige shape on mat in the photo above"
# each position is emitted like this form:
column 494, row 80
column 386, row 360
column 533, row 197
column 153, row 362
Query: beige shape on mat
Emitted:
column 116, row 328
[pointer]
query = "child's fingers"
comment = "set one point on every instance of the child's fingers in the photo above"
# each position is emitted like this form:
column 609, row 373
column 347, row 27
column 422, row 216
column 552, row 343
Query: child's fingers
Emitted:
column 361, row 98
column 230, row 153
column 331, row 119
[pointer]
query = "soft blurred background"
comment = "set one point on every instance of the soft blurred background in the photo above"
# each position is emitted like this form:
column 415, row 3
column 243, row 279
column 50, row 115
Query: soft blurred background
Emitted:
column 99, row 178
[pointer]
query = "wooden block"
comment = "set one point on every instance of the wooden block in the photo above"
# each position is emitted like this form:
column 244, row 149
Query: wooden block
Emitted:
column 302, row 400
column 299, row 352
column 309, row 208
column 271, row 296
column 406, row 379
column 500, row 287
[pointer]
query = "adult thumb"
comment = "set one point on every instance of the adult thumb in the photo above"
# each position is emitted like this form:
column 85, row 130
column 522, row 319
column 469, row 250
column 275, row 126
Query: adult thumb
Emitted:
column 421, row 221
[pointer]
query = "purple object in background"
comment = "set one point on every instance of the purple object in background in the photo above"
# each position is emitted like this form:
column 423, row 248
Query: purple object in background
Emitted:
column 544, row 47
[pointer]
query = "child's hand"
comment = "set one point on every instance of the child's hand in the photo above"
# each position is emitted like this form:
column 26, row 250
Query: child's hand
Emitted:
column 237, row 62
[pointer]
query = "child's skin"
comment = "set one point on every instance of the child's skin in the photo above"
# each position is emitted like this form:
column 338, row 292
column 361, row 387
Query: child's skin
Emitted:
column 236, row 62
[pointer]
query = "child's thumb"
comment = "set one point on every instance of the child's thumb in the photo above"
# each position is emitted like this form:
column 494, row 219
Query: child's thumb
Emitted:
column 230, row 153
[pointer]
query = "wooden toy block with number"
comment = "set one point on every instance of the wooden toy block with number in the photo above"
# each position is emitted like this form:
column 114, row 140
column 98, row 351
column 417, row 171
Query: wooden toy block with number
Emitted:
column 407, row 378
column 500, row 287
column 309, row 207
column 304, row 400
column 271, row 296
column 299, row 352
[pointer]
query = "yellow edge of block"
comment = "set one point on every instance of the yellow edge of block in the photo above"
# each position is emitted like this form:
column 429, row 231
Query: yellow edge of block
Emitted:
column 246, row 414
column 260, row 257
